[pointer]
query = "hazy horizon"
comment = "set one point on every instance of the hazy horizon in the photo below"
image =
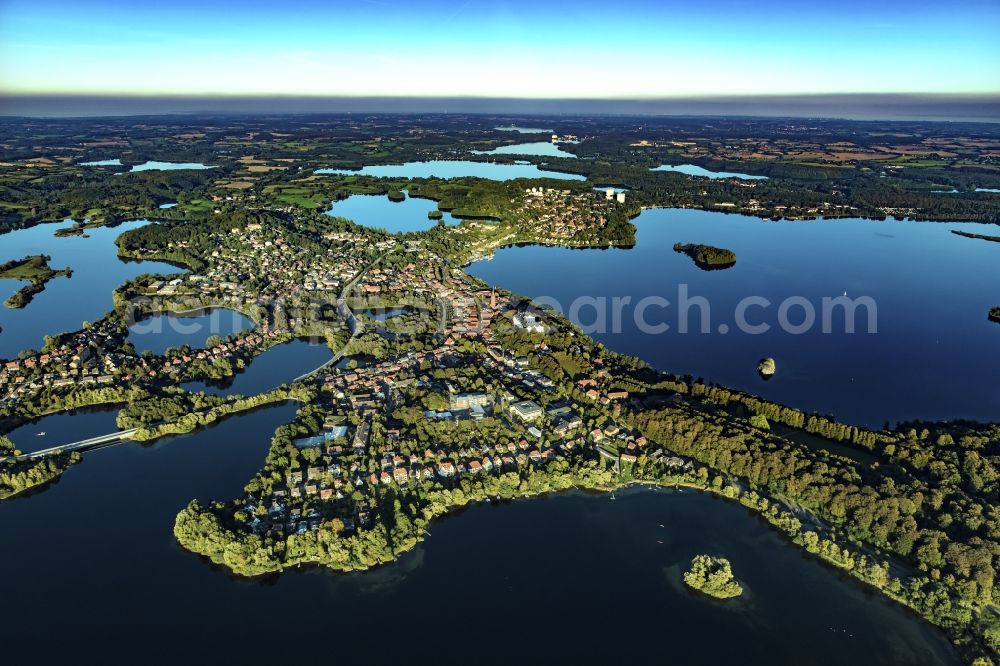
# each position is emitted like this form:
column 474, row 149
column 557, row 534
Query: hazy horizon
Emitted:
column 956, row 108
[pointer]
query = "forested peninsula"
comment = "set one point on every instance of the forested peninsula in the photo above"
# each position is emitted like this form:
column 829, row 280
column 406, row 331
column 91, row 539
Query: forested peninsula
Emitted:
column 34, row 269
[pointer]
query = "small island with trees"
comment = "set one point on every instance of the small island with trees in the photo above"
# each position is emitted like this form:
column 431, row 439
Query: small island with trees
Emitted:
column 995, row 314
column 707, row 257
column 766, row 368
column 713, row 576
column 36, row 270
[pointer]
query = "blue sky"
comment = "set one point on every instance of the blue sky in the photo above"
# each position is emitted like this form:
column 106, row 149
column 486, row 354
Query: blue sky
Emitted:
column 512, row 48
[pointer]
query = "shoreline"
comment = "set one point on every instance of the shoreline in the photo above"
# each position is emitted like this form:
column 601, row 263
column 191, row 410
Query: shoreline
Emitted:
column 635, row 487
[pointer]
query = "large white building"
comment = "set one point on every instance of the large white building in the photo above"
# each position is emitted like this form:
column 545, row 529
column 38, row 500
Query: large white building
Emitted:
column 469, row 400
column 526, row 410
column 528, row 322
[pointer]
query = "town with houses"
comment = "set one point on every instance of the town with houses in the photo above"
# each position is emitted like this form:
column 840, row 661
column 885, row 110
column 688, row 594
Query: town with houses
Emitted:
column 294, row 284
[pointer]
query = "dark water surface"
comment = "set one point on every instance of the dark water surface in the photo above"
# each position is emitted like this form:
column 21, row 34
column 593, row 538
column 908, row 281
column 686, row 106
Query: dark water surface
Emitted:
column 64, row 428
column 159, row 332
column 276, row 366
column 572, row 578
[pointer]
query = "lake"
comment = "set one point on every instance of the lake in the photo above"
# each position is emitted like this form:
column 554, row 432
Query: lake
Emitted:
column 161, row 331
column 933, row 356
column 168, row 166
column 701, row 172
column 114, row 162
column 276, row 366
column 66, row 302
column 98, row 545
column 524, row 130
column 454, row 169
column 379, row 211
column 64, row 428
column 538, row 148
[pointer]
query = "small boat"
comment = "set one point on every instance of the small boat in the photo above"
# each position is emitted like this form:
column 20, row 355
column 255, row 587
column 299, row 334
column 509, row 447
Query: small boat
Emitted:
column 612, row 496
column 40, row 434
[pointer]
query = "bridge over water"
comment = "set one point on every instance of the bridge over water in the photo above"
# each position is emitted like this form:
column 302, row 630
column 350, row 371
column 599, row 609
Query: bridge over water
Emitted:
column 82, row 445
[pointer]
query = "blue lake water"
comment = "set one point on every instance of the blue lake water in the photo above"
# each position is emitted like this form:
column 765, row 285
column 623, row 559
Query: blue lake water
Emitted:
column 524, row 130
column 455, row 169
column 277, row 366
column 987, row 189
column 8, row 287
column 933, row 356
column 66, row 302
column 162, row 331
column 168, row 166
column 538, row 148
column 695, row 170
column 377, row 210
column 114, row 162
